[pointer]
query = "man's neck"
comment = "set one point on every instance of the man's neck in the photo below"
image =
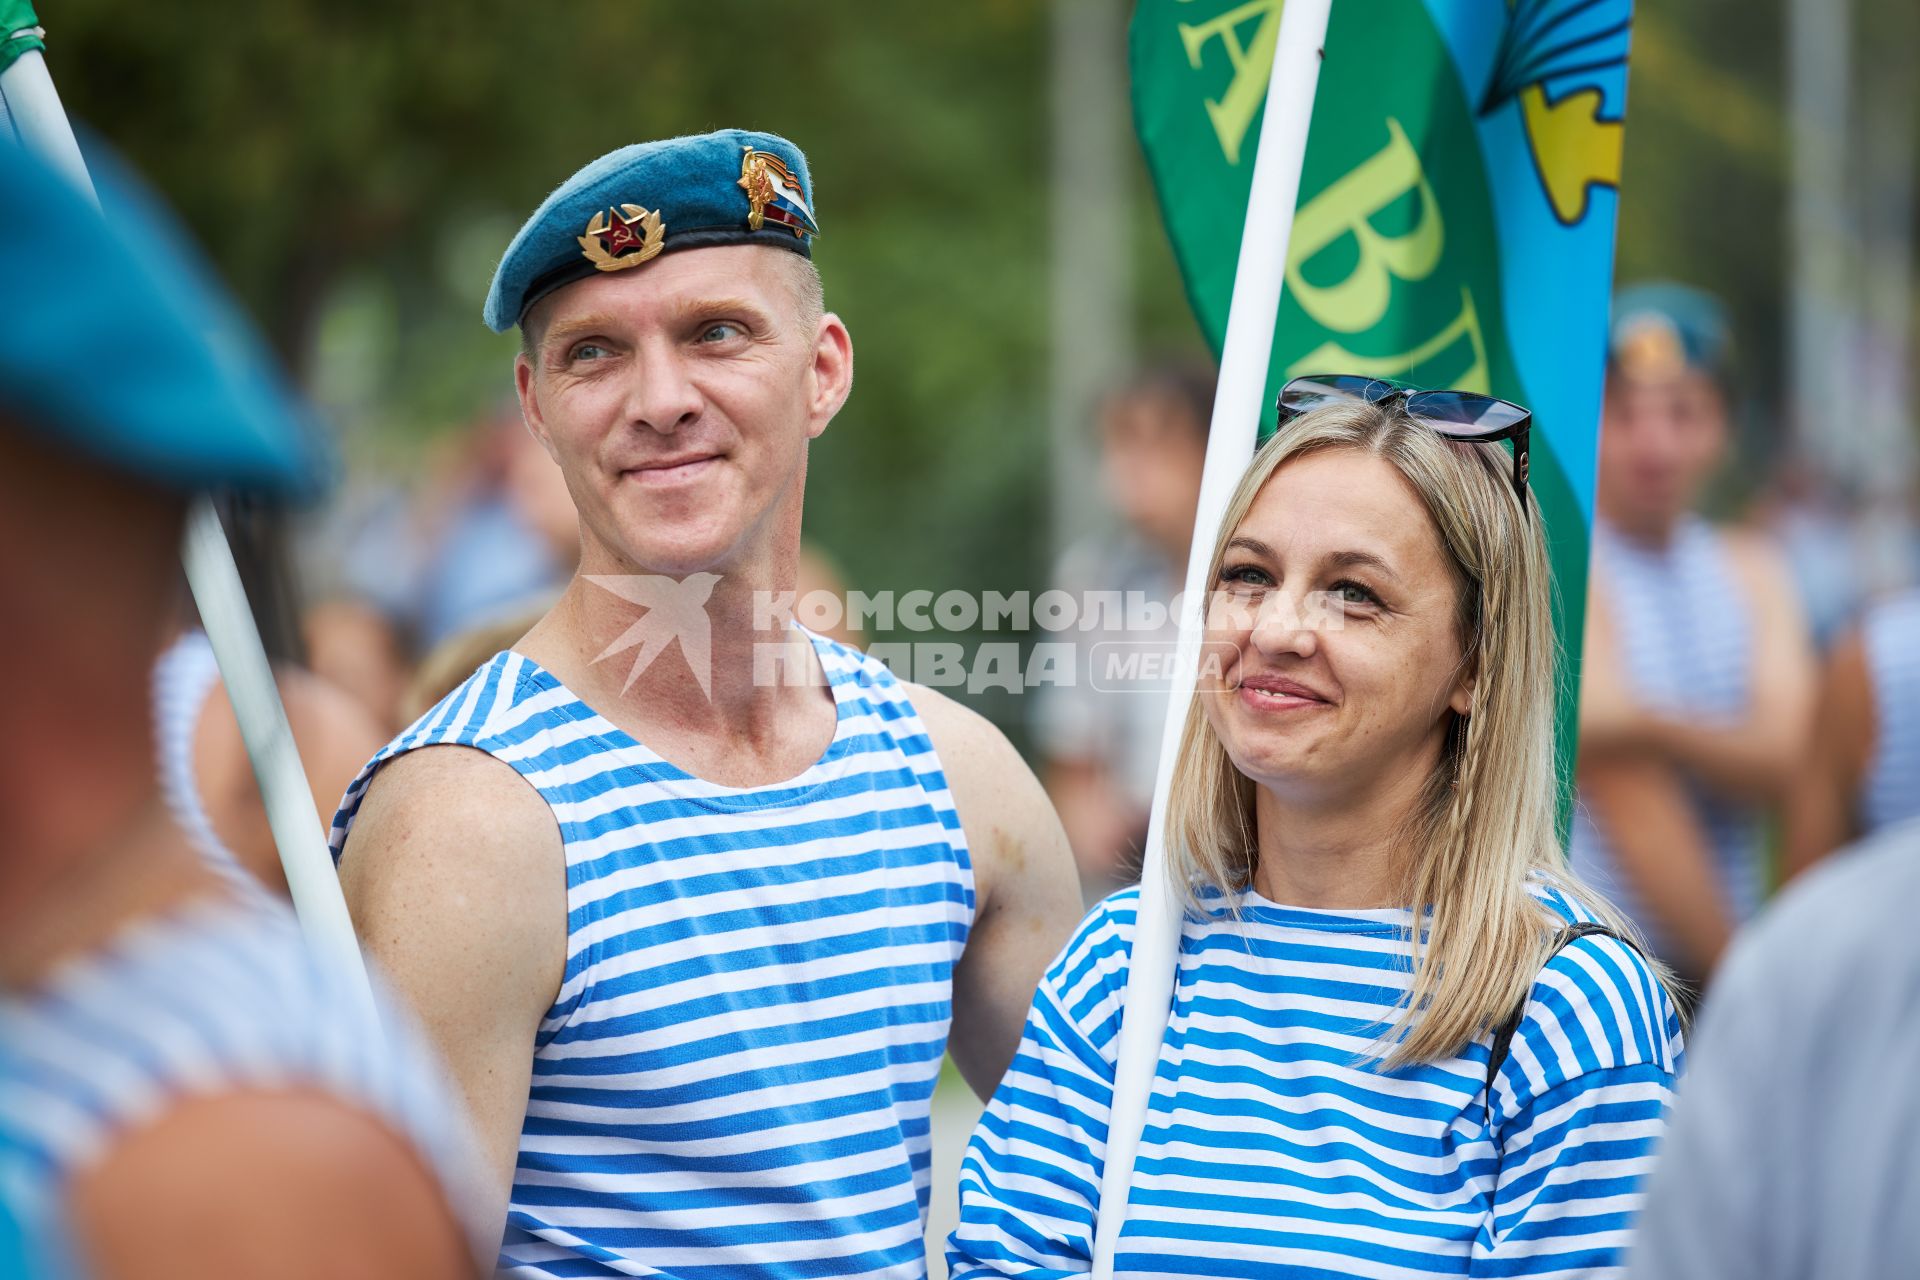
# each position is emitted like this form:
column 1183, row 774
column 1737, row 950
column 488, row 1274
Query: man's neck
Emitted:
column 1645, row 528
column 707, row 669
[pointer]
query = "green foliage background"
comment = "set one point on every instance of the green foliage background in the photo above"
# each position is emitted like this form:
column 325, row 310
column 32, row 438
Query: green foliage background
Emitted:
column 356, row 168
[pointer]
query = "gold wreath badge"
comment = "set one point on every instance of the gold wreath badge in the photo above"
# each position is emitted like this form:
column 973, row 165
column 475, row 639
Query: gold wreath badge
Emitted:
column 625, row 237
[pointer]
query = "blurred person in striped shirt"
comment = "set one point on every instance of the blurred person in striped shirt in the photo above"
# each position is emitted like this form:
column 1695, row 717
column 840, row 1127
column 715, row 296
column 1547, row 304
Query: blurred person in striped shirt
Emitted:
column 1697, row 673
column 186, row 1089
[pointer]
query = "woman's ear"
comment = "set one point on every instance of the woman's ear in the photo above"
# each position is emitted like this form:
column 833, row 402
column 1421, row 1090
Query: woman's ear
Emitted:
column 1461, row 699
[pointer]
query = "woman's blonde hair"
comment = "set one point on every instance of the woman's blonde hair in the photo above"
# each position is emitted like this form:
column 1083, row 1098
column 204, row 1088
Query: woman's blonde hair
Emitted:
column 1486, row 821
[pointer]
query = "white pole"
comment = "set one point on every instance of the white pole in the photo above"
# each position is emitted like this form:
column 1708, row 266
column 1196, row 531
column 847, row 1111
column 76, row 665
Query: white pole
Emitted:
column 248, row 676
column 1254, row 310
column 40, row 124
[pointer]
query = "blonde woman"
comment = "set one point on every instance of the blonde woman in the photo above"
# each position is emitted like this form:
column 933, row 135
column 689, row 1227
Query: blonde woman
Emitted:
column 1342, row 1093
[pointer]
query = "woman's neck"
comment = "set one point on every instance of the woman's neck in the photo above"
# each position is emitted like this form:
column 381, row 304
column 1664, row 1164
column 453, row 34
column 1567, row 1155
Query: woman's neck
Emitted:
column 1343, row 855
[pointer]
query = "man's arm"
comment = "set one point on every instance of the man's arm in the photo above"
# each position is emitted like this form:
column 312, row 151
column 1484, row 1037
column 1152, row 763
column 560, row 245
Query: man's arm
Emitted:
column 1663, row 851
column 296, row 1185
column 1820, row 813
column 1027, row 899
column 1755, row 758
column 1097, row 818
column 456, row 878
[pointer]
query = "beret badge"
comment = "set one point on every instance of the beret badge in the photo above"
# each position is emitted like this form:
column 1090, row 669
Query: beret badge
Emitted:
column 1650, row 350
column 625, row 237
column 773, row 195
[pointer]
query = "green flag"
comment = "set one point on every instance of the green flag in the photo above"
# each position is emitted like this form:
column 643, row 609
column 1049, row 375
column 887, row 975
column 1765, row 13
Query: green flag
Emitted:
column 1456, row 213
column 19, row 31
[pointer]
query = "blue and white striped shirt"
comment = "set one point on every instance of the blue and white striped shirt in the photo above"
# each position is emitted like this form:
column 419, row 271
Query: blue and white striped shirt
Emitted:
column 735, row 1078
column 183, row 679
column 1275, row 1148
column 1891, row 789
column 212, row 997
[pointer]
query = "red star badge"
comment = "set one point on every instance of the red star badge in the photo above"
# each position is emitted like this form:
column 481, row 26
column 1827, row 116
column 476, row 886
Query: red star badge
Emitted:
column 620, row 235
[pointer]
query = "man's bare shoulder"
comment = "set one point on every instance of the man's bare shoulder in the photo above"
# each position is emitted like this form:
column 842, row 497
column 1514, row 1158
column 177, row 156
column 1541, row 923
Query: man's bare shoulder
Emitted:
column 976, row 755
column 967, row 741
column 1778, row 613
column 1758, row 560
column 447, row 791
column 1012, row 829
column 445, row 814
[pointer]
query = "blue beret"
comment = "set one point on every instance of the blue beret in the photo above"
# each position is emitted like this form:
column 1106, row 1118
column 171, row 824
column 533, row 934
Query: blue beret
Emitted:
column 1661, row 330
column 116, row 343
column 729, row 187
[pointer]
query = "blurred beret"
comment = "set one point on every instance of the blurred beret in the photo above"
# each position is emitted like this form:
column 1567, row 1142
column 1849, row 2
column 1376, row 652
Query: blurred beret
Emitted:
column 1661, row 330
column 117, row 343
column 631, row 205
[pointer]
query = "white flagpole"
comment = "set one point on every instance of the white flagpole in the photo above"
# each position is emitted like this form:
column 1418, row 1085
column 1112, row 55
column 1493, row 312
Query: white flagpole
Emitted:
column 1257, row 282
column 29, row 103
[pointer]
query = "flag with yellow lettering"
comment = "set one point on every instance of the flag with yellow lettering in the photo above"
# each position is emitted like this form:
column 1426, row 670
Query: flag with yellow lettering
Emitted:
column 1456, row 214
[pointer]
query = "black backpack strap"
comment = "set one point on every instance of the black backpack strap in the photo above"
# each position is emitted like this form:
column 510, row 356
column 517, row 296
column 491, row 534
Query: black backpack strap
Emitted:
column 1503, row 1034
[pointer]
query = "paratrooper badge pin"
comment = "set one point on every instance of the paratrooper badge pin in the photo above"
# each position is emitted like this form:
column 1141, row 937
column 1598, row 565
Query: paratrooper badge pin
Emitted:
column 625, row 237
column 1650, row 350
column 773, row 194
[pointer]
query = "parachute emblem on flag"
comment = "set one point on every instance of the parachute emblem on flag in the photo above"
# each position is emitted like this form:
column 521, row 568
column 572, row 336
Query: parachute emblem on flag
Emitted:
column 773, row 195
column 625, row 237
column 1570, row 45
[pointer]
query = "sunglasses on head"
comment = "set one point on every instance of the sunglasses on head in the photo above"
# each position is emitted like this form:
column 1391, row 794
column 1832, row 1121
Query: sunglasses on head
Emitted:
column 1465, row 416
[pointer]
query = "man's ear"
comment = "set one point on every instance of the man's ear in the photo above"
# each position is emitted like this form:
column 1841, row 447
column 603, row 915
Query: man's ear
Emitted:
column 530, row 403
column 832, row 372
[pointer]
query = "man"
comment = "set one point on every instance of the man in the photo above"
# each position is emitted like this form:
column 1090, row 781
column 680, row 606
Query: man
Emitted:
column 1861, row 771
column 184, row 1089
column 689, row 900
column 1795, row 1145
column 1698, row 677
column 1101, row 732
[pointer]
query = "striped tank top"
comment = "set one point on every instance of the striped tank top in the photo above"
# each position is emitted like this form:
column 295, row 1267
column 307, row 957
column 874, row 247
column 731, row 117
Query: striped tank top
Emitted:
column 1684, row 627
column 1892, row 789
column 183, row 679
column 1275, row 1146
column 212, row 997
column 735, row 1078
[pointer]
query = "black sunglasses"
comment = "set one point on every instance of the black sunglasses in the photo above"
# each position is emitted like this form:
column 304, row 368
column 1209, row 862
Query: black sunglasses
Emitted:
column 1465, row 416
